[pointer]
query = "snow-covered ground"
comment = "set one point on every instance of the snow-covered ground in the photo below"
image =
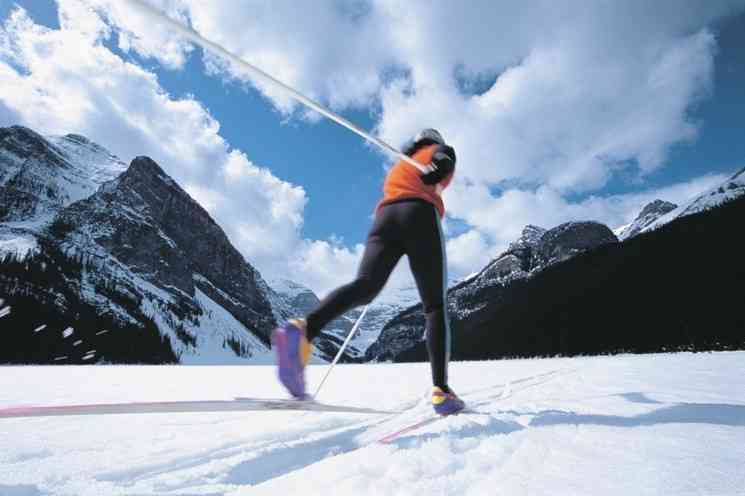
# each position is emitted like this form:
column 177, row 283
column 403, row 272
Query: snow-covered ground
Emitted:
column 652, row 424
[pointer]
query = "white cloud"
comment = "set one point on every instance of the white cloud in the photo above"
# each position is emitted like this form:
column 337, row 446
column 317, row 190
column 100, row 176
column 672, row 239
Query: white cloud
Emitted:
column 62, row 81
column 568, row 115
column 500, row 219
column 579, row 92
column 323, row 265
column 313, row 46
column 468, row 252
column 135, row 30
column 583, row 89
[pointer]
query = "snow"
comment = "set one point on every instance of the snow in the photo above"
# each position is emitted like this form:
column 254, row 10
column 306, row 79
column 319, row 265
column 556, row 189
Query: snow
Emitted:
column 90, row 165
column 17, row 245
column 620, row 229
column 643, row 425
column 729, row 190
column 226, row 296
column 286, row 287
column 214, row 327
column 211, row 330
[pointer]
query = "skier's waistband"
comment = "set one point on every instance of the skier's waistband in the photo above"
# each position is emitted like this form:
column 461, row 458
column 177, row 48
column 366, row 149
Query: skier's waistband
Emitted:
column 407, row 200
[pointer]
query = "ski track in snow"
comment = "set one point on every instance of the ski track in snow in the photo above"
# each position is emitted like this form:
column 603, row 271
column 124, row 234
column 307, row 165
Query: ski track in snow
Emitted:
column 648, row 424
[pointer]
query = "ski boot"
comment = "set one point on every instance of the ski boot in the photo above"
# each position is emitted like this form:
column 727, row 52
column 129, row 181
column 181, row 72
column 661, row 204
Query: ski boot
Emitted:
column 445, row 402
column 293, row 352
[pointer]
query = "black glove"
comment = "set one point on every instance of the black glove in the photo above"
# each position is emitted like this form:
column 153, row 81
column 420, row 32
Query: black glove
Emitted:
column 443, row 164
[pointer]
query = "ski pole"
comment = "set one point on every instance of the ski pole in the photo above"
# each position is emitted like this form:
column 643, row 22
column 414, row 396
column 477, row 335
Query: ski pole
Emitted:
column 341, row 350
column 216, row 49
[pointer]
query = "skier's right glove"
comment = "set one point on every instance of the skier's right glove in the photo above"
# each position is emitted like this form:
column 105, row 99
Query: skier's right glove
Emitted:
column 443, row 164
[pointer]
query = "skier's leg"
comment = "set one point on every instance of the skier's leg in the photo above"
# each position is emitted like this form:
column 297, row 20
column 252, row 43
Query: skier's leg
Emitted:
column 291, row 340
column 382, row 252
column 425, row 247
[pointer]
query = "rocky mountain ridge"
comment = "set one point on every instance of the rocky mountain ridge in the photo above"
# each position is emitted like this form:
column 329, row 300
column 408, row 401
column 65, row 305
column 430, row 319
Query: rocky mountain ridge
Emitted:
column 728, row 191
column 141, row 251
column 489, row 297
column 536, row 250
column 649, row 214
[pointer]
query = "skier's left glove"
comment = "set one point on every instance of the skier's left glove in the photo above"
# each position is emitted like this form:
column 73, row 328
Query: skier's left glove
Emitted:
column 443, row 164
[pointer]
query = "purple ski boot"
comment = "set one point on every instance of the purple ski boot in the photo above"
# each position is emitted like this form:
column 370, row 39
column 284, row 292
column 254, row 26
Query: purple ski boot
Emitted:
column 446, row 402
column 293, row 352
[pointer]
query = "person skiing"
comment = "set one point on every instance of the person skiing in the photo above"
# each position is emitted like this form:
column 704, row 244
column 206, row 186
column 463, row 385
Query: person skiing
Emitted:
column 407, row 222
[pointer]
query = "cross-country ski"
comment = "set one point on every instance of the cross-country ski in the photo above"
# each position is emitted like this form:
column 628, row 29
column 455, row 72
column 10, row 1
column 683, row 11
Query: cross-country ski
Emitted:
column 236, row 405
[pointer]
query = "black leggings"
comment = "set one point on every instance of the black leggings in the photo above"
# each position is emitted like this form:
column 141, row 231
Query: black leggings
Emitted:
column 407, row 227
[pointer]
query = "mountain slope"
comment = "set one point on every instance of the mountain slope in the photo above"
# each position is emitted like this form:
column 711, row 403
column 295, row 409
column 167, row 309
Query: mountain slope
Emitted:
column 39, row 177
column 536, row 250
column 649, row 214
column 300, row 300
column 678, row 287
column 132, row 254
column 729, row 190
column 148, row 223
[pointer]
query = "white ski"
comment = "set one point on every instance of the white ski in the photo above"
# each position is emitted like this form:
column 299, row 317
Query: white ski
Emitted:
column 235, row 405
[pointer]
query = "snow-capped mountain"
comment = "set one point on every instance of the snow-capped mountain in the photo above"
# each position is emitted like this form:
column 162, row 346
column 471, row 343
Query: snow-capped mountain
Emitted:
column 301, row 300
column 674, row 288
column 649, row 214
column 534, row 251
column 528, row 239
column 128, row 246
column 296, row 300
column 39, row 177
column 729, row 190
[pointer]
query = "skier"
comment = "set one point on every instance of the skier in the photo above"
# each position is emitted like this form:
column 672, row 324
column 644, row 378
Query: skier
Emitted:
column 407, row 222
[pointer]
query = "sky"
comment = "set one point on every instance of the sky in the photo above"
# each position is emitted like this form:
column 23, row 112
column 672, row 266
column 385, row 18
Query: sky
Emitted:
column 582, row 110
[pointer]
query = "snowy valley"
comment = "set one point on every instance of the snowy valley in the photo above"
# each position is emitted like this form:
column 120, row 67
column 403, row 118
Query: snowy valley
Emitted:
column 643, row 425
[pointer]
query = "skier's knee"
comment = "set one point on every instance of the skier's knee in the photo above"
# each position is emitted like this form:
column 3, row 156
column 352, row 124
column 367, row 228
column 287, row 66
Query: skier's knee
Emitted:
column 434, row 308
column 367, row 289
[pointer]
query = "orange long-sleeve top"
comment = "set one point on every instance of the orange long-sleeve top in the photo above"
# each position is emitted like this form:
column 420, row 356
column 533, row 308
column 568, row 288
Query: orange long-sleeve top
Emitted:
column 404, row 181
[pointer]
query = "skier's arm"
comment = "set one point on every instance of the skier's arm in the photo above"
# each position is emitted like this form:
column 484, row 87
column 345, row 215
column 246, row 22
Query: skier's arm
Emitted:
column 443, row 165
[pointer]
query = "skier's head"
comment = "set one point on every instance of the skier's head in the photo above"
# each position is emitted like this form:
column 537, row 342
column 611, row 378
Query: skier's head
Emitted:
column 430, row 135
column 423, row 138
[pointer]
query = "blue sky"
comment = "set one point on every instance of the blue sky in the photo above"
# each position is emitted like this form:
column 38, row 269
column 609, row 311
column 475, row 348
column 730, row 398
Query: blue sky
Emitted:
column 341, row 176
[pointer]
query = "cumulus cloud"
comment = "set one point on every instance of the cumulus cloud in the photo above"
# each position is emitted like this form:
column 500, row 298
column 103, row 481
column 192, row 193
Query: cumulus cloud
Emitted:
column 588, row 97
column 314, row 46
column 468, row 252
column 135, row 30
column 501, row 218
column 325, row 264
column 543, row 102
column 66, row 80
column 580, row 90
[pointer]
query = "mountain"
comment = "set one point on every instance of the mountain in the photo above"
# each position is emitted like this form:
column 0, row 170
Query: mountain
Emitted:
column 535, row 251
column 659, row 213
column 298, row 301
column 678, row 287
column 39, row 177
column 649, row 214
column 121, row 249
column 301, row 300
